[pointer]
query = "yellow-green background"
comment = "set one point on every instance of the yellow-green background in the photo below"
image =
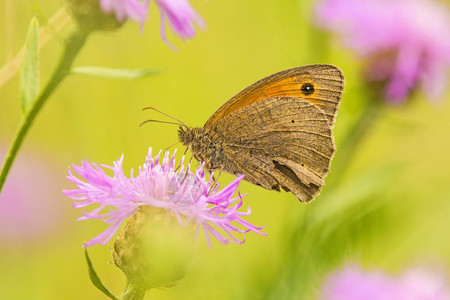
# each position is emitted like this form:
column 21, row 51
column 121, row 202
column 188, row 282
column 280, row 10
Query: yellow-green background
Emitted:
column 98, row 119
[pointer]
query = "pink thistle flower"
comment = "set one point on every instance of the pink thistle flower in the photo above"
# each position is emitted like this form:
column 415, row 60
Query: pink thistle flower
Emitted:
column 178, row 13
column 352, row 283
column 407, row 42
column 180, row 16
column 158, row 185
column 136, row 10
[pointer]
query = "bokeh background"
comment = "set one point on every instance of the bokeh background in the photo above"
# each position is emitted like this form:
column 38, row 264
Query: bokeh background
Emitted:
column 389, row 212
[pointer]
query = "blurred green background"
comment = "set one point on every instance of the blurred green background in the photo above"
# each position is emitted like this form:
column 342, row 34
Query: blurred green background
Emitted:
column 389, row 212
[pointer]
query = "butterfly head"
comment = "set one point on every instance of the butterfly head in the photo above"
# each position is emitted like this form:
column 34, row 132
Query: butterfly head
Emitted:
column 206, row 148
column 187, row 135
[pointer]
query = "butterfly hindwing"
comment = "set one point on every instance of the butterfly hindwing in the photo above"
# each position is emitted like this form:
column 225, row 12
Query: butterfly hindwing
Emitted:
column 278, row 142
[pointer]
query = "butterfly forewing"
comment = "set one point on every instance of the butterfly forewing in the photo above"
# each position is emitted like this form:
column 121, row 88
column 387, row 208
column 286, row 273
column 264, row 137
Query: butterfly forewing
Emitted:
column 321, row 85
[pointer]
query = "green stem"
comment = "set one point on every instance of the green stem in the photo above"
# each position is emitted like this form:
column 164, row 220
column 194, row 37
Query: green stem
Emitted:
column 73, row 45
column 133, row 292
column 298, row 259
column 350, row 145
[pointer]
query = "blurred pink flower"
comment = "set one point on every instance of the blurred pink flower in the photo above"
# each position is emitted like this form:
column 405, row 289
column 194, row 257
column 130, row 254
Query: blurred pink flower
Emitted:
column 407, row 42
column 181, row 16
column 178, row 13
column 187, row 196
column 29, row 202
column 136, row 10
column 352, row 283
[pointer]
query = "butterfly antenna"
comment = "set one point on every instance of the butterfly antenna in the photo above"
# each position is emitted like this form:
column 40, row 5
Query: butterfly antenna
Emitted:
column 167, row 115
column 159, row 121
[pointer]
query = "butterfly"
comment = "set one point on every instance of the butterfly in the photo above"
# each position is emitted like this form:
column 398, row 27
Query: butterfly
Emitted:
column 277, row 132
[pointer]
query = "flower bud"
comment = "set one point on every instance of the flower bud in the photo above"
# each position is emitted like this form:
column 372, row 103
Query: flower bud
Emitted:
column 89, row 15
column 153, row 249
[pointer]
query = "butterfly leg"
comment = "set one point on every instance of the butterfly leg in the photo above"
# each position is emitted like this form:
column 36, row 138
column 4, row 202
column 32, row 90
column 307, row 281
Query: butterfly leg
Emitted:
column 187, row 170
column 167, row 148
column 215, row 182
column 184, row 153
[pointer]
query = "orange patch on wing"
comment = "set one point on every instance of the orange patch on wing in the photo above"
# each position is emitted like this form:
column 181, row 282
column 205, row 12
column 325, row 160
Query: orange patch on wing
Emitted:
column 326, row 83
column 289, row 86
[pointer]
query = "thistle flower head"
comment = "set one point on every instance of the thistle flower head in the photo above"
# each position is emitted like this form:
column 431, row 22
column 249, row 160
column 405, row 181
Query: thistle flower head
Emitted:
column 161, row 185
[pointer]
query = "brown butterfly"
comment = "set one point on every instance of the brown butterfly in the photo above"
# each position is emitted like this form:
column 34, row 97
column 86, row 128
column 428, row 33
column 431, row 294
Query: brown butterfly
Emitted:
column 277, row 132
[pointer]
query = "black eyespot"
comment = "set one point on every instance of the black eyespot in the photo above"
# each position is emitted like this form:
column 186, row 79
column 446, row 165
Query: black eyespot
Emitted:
column 292, row 121
column 307, row 89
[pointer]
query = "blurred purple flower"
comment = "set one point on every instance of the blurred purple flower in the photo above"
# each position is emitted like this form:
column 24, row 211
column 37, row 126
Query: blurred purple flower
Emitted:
column 180, row 16
column 136, row 10
column 352, row 283
column 29, row 206
column 158, row 185
column 178, row 13
column 407, row 42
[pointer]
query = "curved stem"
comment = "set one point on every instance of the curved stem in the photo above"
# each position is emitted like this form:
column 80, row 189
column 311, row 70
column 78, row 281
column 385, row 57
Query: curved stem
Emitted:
column 132, row 292
column 352, row 141
column 73, row 45
column 297, row 276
